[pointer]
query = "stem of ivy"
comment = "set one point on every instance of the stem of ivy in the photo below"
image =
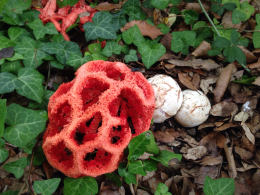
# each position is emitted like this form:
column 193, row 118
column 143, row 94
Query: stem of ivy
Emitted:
column 209, row 19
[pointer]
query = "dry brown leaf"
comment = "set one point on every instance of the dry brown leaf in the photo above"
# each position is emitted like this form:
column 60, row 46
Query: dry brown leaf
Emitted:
column 227, row 21
column 196, row 63
column 195, row 153
column 166, row 41
column 221, row 140
column 225, row 127
column 196, row 7
column 167, row 136
column 250, row 57
column 206, row 84
column 206, row 125
column 244, row 154
column 232, row 170
column 145, row 28
column 105, row 6
column 202, row 49
column 196, row 80
column 211, row 171
column 254, row 65
column 257, row 81
column 224, row 109
column 211, row 160
column 248, row 133
column 222, row 82
column 186, row 81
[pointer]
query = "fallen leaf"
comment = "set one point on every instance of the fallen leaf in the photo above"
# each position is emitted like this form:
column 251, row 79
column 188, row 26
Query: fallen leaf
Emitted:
column 222, row 82
column 244, row 154
column 206, row 84
column 105, row 6
column 254, row 65
column 196, row 7
column 224, row 109
column 186, row 81
column 232, row 170
column 227, row 21
column 145, row 28
column 206, row 125
column 202, row 49
column 211, row 171
column 196, row 64
column 257, row 81
column 239, row 93
column 195, row 153
column 166, row 41
column 167, row 136
column 250, row 57
column 225, row 127
column 211, row 160
column 196, row 80
column 142, row 192
column 248, row 133
column 241, row 116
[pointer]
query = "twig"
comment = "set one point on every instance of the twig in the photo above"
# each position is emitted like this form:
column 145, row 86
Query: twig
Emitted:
column 209, row 19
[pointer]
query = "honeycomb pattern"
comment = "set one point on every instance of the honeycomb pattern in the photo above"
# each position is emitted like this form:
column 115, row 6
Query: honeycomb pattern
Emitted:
column 93, row 118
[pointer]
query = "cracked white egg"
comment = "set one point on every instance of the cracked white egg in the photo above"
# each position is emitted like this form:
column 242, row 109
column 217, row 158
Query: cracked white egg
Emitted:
column 194, row 109
column 168, row 97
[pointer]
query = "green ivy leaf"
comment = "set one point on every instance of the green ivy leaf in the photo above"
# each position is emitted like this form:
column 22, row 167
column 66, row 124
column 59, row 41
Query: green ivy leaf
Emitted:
column 131, row 56
column 12, row 67
column 2, row 116
column 29, row 84
column 5, row 42
column 46, row 187
column 256, row 35
column 151, row 53
column 136, row 167
column 16, row 167
column 114, row 178
column 133, row 9
column 235, row 53
column 66, row 52
column 63, row 3
column 17, row 6
column 160, row 4
column 94, row 48
column 161, row 189
column 3, row 152
column 181, row 41
column 111, row 47
column 31, row 51
column 165, row 156
column 150, row 165
column 9, row 192
column 100, row 27
column 137, row 145
column 7, row 82
column 242, row 13
column 24, row 125
column 219, row 186
column 15, row 33
column 84, row 185
column 190, row 16
column 40, row 30
column 133, row 35
column 128, row 177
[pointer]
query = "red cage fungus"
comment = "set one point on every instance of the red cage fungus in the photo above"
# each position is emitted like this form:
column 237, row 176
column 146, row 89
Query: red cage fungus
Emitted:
column 93, row 118
column 63, row 18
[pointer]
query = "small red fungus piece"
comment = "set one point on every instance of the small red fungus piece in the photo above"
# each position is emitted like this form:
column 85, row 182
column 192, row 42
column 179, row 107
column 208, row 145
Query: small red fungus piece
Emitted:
column 93, row 118
column 63, row 18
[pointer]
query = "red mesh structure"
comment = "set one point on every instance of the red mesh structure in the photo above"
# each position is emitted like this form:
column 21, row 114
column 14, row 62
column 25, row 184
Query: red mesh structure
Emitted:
column 93, row 118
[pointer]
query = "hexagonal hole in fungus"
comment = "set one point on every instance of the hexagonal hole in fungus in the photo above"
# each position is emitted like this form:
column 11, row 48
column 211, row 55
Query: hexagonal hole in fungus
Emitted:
column 88, row 129
column 129, row 107
column 97, row 159
column 61, row 154
column 59, row 119
column 115, row 74
column 92, row 90
column 118, row 135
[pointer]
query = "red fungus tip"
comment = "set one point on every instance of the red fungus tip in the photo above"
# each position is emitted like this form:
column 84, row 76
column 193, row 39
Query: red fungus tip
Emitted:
column 93, row 118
